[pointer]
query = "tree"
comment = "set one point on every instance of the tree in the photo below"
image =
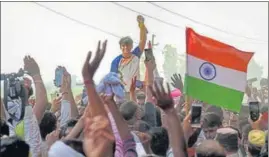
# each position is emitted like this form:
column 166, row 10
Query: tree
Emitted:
column 173, row 62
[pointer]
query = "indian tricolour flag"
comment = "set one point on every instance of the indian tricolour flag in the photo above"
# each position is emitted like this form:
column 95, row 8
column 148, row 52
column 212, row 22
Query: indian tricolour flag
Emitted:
column 216, row 72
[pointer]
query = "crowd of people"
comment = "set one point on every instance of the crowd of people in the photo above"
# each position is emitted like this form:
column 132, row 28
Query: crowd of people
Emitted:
column 116, row 118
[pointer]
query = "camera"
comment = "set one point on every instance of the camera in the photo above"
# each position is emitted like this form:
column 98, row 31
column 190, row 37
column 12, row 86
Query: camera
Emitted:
column 14, row 90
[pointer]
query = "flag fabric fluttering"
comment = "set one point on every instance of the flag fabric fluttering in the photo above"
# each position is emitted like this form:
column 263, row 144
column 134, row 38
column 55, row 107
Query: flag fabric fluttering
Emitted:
column 216, row 72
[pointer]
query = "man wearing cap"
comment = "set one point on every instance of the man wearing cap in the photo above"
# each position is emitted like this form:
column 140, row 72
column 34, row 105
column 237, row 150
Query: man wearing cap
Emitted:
column 127, row 64
column 229, row 140
column 256, row 140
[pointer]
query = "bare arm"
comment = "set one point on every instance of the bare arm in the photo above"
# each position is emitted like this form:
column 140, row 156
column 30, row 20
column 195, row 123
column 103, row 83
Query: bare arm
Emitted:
column 41, row 98
column 66, row 89
column 175, row 131
column 32, row 67
column 143, row 33
column 150, row 66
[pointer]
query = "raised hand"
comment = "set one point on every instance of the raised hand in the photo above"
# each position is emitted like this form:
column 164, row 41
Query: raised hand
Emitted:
column 31, row 66
column 133, row 85
column 56, row 104
column 66, row 81
column 177, row 81
column 96, row 136
column 164, row 99
column 90, row 68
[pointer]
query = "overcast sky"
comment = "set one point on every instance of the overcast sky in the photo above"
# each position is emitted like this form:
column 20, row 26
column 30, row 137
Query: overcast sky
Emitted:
column 28, row 29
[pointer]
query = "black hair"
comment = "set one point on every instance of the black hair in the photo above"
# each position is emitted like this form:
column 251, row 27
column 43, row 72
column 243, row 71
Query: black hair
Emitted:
column 4, row 130
column 254, row 150
column 159, row 143
column 211, row 120
column 14, row 147
column 237, row 130
column 77, row 145
column 217, row 110
column 210, row 148
column 128, row 110
column 47, row 124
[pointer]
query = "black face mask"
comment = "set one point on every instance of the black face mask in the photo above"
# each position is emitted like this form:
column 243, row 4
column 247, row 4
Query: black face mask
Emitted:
column 192, row 140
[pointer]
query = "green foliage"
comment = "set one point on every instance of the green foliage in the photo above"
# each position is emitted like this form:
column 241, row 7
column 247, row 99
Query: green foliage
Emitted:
column 173, row 62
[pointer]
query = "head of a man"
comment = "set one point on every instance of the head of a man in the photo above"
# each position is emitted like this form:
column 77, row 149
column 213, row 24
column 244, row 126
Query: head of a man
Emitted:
column 210, row 148
column 128, row 110
column 228, row 139
column 256, row 140
column 159, row 143
column 210, row 124
column 126, row 45
column 14, row 147
column 141, row 98
column 47, row 124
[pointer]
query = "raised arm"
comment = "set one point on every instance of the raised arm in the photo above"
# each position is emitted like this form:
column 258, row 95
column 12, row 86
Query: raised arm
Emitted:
column 150, row 66
column 143, row 33
column 68, row 94
column 96, row 105
column 175, row 131
column 32, row 67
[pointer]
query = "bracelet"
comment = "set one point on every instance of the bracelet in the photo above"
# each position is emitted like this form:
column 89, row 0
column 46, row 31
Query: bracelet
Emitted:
column 88, row 82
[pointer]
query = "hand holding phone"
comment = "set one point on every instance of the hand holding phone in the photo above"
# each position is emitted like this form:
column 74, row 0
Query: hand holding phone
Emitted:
column 196, row 112
column 59, row 72
column 254, row 110
column 139, row 84
column 149, row 54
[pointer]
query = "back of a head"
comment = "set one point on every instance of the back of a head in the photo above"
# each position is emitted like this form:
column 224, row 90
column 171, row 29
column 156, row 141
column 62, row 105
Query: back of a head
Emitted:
column 256, row 140
column 228, row 139
column 159, row 140
column 211, row 120
column 14, row 147
column 4, row 130
column 210, row 148
column 47, row 124
column 128, row 110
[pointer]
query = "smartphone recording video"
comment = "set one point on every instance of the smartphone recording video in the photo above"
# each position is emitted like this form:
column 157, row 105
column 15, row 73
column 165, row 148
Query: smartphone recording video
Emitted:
column 59, row 72
column 148, row 54
column 196, row 112
column 254, row 111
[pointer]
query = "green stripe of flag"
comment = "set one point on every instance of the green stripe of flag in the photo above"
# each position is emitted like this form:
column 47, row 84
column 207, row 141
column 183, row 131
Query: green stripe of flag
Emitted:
column 214, row 94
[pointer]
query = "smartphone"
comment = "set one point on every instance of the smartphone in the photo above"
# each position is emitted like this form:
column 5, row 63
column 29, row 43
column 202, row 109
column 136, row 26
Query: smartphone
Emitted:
column 196, row 112
column 139, row 84
column 148, row 54
column 254, row 110
column 59, row 72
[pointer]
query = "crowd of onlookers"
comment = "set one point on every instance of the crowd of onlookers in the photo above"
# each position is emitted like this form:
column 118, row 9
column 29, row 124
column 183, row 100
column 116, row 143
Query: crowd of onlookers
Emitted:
column 148, row 122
